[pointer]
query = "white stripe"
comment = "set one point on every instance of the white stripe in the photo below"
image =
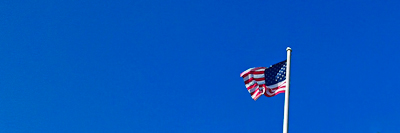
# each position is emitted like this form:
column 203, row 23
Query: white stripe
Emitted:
column 247, row 77
column 263, row 88
column 254, row 76
column 269, row 94
column 259, row 76
column 261, row 82
column 277, row 84
column 253, row 89
column 250, row 84
column 280, row 89
column 255, row 94
column 259, row 70
column 248, row 70
column 273, row 93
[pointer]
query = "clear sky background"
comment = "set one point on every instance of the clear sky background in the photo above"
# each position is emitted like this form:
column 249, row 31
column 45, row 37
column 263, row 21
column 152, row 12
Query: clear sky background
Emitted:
column 173, row 66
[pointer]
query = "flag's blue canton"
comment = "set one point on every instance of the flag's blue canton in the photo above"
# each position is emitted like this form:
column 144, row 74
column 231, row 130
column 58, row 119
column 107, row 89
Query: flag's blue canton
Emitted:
column 276, row 73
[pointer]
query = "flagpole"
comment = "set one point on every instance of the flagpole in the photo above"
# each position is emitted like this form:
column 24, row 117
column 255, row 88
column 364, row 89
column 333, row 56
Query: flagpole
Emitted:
column 286, row 109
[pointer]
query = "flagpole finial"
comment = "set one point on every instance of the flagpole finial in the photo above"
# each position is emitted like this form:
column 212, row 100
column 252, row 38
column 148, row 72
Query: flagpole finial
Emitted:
column 288, row 48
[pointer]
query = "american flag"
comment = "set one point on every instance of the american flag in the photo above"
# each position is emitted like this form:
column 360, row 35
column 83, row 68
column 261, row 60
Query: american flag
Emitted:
column 269, row 81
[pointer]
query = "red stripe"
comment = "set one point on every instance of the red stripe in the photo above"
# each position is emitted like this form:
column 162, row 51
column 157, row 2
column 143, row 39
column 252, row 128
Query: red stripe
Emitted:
column 276, row 93
column 283, row 85
column 258, row 95
column 270, row 90
column 252, row 93
column 251, row 87
column 273, row 89
column 248, row 81
column 251, row 79
column 278, row 87
column 253, row 71
column 258, row 72
column 259, row 79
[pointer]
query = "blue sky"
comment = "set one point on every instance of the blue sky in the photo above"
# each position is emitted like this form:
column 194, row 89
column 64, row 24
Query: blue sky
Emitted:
column 173, row 66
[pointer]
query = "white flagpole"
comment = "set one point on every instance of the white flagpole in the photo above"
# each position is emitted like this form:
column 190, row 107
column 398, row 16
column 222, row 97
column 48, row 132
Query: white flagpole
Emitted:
column 286, row 111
